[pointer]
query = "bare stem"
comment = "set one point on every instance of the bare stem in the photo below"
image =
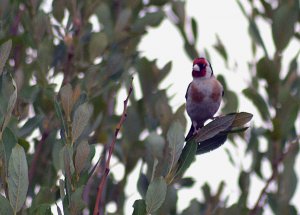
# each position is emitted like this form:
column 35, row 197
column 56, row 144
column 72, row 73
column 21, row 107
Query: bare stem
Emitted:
column 110, row 152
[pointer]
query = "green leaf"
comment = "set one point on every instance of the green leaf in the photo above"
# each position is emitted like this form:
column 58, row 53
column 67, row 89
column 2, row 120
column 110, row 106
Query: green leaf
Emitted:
column 139, row 207
column 283, row 25
column 4, row 54
column 155, row 145
column 44, row 209
column 81, row 118
column 214, row 127
column 244, row 181
column 150, row 19
column 123, row 19
column 253, row 29
column 258, row 101
column 241, row 119
column 187, row 157
column 82, row 153
column 58, row 10
column 8, row 97
column 30, row 125
column 66, row 96
column 60, row 116
column 254, row 32
column 77, row 203
column 97, row 45
column 194, row 29
column 175, row 137
column 5, row 206
column 221, row 48
column 17, row 178
column 44, row 196
column 156, row 195
column 9, row 141
column 211, row 143
column 179, row 9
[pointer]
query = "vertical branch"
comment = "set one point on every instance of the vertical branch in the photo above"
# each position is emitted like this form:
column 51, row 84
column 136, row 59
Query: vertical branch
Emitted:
column 110, row 152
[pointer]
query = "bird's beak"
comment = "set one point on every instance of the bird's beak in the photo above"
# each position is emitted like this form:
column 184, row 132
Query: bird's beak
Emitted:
column 196, row 68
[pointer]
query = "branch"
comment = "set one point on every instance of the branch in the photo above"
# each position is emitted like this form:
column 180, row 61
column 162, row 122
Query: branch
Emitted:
column 110, row 152
column 261, row 200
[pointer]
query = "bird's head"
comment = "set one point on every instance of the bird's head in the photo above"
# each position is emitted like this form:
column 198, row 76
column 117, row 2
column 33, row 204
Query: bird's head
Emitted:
column 202, row 68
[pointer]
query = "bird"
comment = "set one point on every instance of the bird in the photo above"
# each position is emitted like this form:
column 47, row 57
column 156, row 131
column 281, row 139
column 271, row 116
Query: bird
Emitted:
column 203, row 95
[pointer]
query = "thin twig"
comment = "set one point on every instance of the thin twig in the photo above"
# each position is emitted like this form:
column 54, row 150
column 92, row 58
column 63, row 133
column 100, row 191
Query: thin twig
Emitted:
column 261, row 200
column 110, row 152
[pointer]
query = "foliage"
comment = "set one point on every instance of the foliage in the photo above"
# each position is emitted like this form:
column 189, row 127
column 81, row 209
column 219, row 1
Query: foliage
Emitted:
column 70, row 120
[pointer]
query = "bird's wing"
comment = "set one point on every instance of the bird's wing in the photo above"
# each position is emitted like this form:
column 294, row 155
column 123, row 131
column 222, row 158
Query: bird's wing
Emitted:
column 186, row 94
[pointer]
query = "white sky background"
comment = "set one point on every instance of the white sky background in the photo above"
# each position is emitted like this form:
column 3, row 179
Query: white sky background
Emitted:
column 165, row 44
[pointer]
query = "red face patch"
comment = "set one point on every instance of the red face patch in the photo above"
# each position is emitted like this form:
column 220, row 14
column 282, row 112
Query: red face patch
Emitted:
column 200, row 60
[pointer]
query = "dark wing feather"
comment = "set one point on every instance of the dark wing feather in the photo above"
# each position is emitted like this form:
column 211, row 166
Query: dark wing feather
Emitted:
column 186, row 94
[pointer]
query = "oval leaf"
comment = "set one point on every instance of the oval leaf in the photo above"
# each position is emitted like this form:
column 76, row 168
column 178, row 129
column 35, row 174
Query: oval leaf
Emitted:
column 175, row 138
column 4, row 53
column 139, row 207
column 5, row 206
column 241, row 119
column 214, row 127
column 66, row 94
column 80, row 120
column 82, row 153
column 284, row 20
column 17, row 178
column 156, row 195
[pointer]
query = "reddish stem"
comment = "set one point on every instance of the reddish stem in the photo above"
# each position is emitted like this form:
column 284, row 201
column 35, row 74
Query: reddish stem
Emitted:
column 110, row 152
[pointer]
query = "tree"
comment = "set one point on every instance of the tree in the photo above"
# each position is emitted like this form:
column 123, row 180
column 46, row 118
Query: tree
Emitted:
column 42, row 44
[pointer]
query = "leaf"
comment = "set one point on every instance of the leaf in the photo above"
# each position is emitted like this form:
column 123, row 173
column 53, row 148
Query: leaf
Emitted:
column 156, row 195
column 82, row 153
column 9, row 141
column 194, row 29
column 97, row 45
column 221, row 48
column 155, row 145
column 123, row 19
column 283, row 25
column 150, row 19
column 30, row 125
column 5, row 206
column 211, row 144
column 175, row 137
column 81, row 117
column 255, row 34
column 178, row 8
column 60, row 117
column 66, row 96
column 187, row 157
column 17, row 178
column 77, row 203
column 142, row 184
column 44, row 209
column 214, row 127
column 4, row 54
column 241, row 119
column 258, row 101
column 139, row 207
column 253, row 29
column 8, row 97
